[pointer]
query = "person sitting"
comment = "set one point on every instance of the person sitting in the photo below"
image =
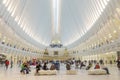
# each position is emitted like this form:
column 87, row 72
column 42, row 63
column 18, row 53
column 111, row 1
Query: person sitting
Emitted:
column 82, row 65
column 68, row 66
column 23, row 68
column 45, row 66
column 38, row 67
column 97, row 66
column 27, row 68
column 89, row 66
column 105, row 68
column 52, row 67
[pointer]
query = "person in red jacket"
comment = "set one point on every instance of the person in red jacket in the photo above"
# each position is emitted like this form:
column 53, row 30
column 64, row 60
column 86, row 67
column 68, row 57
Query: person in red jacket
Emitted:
column 6, row 64
column 97, row 66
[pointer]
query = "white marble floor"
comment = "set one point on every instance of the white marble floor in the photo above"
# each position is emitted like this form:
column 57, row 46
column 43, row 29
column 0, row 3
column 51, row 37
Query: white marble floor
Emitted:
column 14, row 74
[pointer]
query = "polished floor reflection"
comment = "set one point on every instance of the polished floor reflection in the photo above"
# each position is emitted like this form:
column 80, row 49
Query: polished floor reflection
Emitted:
column 14, row 74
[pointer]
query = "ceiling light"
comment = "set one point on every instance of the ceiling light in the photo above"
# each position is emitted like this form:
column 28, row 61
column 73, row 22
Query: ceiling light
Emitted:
column 117, row 9
column 110, row 36
column 13, row 13
column 4, row 40
column 24, row 27
column 112, row 41
column 114, row 31
column 107, row 53
column 4, row 1
column 0, row 20
column 9, row 7
column 16, row 18
column 105, row 2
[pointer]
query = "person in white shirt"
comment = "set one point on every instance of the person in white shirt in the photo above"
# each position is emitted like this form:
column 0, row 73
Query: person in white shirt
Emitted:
column 105, row 68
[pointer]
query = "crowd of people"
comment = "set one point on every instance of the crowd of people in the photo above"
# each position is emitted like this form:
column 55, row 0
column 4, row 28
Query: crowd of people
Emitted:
column 55, row 65
column 40, row 65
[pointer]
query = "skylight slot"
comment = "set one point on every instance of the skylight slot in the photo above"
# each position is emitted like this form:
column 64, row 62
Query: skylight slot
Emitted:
column 56, row 5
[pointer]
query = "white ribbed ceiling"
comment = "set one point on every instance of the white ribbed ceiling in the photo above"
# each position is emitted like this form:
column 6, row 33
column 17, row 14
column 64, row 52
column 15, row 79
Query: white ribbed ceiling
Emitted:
column 37, row 19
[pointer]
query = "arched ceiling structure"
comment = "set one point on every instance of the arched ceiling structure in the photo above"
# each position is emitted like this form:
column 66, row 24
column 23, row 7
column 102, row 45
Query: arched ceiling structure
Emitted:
column 62, row 21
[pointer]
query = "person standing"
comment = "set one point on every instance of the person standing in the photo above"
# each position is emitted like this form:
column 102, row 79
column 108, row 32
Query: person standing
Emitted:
column 118, row 63
column 101, row 61
column 11, row 64
column 6, row 64
column 57, row 65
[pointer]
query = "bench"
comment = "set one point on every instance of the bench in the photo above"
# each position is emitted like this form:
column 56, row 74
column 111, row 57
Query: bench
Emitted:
column 97, row 72
column 71, row 72
column 47, row 72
